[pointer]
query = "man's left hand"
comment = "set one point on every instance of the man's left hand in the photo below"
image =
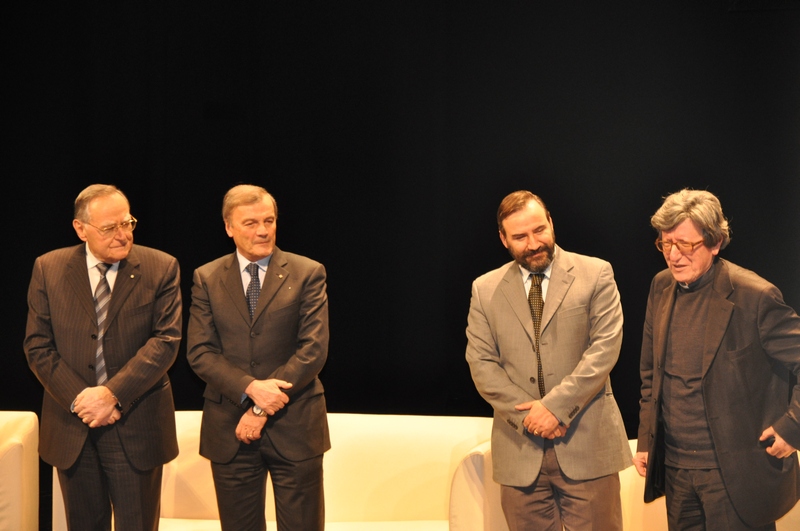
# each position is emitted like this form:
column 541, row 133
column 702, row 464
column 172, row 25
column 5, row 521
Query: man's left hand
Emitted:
column 250, row 426
column 540, row 421
column 779, row 448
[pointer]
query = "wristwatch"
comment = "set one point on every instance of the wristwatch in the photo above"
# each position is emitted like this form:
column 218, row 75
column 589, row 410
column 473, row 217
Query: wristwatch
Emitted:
column 258, row 411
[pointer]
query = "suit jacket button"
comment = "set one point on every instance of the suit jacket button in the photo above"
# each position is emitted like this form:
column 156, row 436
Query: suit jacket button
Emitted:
column 94, row 336
column 532, row 379
column 91, row 367
column 253, row 364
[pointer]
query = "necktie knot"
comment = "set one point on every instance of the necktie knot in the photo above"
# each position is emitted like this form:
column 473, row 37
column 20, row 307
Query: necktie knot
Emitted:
column 103, row 268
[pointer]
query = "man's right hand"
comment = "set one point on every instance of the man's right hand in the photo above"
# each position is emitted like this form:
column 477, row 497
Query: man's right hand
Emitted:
column 640, row 462
column 267, row 394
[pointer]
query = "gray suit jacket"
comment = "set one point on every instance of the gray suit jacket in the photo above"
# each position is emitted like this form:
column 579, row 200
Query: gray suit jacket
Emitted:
column 141, row 342
column 751, row 361
column 580, row 342
column 288, row 339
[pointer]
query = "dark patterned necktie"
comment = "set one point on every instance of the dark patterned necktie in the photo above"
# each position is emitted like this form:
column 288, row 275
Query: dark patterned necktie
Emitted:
column 253, row 289
column 102, row 296
column 536, row 303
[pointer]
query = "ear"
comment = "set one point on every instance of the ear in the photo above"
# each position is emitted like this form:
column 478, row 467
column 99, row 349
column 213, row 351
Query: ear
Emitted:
column 228, row 229
column 79, row 229
column 715, row 249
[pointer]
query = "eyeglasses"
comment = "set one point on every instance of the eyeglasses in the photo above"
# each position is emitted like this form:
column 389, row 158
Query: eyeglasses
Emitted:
column 683, row 247
column 126, row 226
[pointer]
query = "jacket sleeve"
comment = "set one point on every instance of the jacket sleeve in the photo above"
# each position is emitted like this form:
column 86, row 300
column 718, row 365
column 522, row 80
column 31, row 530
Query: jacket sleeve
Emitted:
column 56, row 375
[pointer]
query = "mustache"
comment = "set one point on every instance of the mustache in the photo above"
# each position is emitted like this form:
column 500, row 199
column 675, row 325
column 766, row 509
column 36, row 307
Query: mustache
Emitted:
column 528, row 254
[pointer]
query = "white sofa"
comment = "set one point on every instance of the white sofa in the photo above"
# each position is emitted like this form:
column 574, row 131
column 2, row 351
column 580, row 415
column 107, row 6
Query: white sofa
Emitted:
column 19, row 471
column 386, row 473
column 383, row 472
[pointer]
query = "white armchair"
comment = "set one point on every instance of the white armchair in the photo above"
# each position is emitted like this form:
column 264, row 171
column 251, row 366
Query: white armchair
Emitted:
column 19, row 470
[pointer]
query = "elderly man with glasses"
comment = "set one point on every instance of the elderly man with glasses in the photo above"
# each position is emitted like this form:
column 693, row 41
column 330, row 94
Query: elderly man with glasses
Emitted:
column 720, row 407
column 104, row 325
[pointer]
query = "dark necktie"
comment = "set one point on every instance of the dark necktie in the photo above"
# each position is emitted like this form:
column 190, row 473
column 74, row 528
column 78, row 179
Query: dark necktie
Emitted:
column 536, row 303
column 102, row 296
column 253, row 289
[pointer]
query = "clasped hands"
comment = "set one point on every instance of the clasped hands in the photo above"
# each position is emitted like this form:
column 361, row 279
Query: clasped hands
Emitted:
column 540, row 421
column 269, row 396
column 96, row 406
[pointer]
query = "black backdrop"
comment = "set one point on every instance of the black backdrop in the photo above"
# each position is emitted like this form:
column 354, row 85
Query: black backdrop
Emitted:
column 388, row 133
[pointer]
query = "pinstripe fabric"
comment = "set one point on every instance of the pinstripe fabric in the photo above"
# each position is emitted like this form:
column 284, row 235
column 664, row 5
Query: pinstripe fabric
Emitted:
column 142, row 334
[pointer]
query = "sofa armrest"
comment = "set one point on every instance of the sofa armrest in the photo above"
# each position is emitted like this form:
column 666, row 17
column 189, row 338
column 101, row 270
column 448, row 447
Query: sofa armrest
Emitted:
column 19, row 470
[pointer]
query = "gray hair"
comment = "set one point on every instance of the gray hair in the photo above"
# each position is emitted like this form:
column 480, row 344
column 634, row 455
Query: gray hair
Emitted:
column 703, row 208
column 89, row 194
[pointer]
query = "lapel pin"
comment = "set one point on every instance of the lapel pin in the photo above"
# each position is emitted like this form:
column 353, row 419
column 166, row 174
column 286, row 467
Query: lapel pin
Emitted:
column 280, row 276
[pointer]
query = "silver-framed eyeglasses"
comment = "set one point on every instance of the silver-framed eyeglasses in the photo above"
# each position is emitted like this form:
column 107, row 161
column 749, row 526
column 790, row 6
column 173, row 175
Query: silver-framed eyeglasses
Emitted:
column 683, row 247
column 125, row 226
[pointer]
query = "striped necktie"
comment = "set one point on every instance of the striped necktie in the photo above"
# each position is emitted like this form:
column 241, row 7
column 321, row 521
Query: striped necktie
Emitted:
column 102, row 296
column 536, row 303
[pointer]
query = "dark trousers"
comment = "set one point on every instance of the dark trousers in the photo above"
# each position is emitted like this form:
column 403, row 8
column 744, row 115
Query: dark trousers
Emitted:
column 555, row 500
column 697, row 501
column 101, row 478
column 241, row 488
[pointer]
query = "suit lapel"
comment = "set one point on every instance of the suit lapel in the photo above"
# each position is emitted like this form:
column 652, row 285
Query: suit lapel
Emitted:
column 77, row 275
column 232, row 281
column 720, row 310
column 127, row 278
column 275, row 277
column 273, row 280
column 560, row 281
column 661, row 325
column 514, row 293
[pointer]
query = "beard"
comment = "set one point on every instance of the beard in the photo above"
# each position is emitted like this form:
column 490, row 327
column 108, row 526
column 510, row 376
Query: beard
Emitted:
column 535, row 261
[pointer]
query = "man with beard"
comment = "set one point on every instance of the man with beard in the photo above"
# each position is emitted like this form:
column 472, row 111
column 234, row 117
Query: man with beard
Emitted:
column 544, row 332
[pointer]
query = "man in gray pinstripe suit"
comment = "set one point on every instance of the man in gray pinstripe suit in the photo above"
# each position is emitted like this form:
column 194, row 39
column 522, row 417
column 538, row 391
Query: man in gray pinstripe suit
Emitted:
column 108, row 418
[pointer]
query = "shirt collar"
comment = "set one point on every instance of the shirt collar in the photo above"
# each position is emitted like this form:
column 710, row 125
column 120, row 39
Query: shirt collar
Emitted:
column 244, row 262
column 92, row 260
column 526, row 273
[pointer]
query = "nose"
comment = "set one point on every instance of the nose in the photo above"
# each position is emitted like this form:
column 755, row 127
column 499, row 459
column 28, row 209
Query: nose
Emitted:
column 120, row 234
column 674, row 254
